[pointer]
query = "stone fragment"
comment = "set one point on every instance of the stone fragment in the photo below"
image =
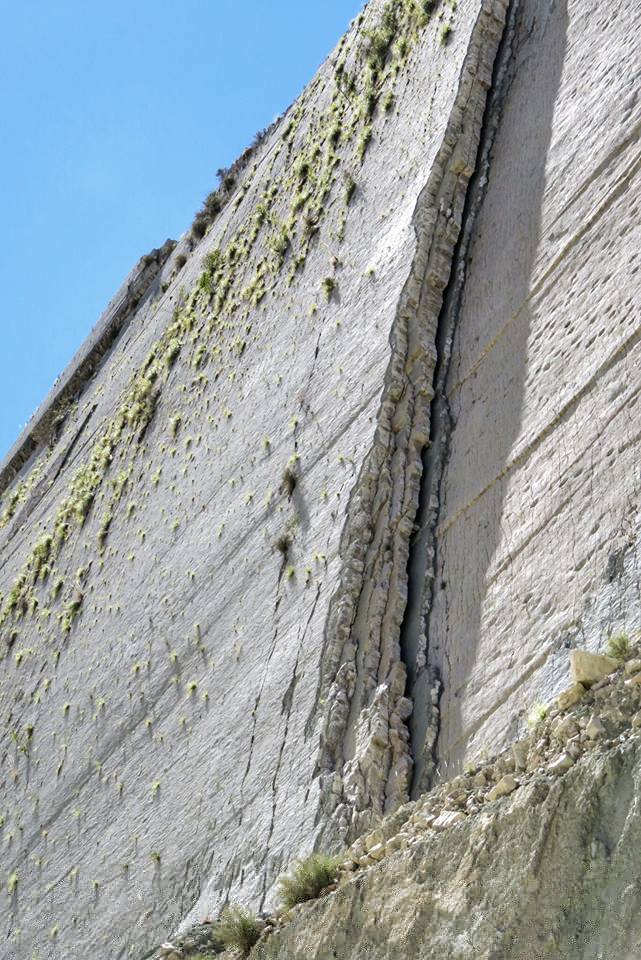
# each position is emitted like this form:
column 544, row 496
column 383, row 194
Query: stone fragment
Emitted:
column 574, row 748
column 357, row 850
column 595, row 727
column 634, row 680
column 374, row 839
column 447, row 819
column 377, row 852
column 394, row 844
column 504, row 787
column 519, row 752
column 636, row 719
column 169, row 952
column 587, row 668
column 564, row 728
column 568, row 698
column 562, row 763
column 633, row 666
column 480, row 779
column 424, row 821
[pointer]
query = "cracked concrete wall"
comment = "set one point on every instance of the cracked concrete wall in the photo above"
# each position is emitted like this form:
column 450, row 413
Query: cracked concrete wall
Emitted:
column 209, row 664
column 536, row 531
column 165, row 666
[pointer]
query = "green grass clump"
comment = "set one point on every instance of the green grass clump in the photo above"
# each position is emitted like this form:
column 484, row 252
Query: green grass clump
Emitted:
column 537, row 714
column 329, row 285
column 350, row 187
column 279, row 242
column 307, row 878
column 618, row 646
column 379, row 40
column 446, row 31
column 364, row 142
column 237, row 929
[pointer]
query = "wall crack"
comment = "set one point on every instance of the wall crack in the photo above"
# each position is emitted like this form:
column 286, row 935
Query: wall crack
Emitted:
column 365, row 760
column 424, row 683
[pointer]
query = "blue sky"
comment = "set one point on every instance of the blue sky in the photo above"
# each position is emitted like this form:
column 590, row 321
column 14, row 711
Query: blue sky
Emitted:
column 114, row 118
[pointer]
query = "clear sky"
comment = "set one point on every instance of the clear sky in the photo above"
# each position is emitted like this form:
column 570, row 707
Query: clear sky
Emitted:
column 114, row 118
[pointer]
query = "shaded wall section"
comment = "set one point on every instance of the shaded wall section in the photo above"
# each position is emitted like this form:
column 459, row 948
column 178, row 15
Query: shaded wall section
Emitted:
column 537, row 534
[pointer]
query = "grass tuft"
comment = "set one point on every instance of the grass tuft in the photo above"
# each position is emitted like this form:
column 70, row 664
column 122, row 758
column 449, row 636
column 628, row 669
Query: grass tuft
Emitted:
column 307, row 878
column 618, row 646
column 282, row 543
column 537, row 715
column 329, row 285
column 237, row 929
column 290, row 480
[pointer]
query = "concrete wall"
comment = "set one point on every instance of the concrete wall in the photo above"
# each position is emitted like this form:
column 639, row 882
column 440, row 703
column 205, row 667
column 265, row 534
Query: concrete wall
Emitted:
column 186, row 707
column 537, row 533
column 166, row 675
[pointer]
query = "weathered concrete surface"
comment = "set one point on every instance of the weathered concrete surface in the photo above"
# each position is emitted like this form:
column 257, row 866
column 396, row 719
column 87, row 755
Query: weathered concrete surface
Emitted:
column 203, row 579
column 537, row 525
column 166, row 668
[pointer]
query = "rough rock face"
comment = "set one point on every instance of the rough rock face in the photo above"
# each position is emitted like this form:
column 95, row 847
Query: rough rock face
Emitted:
column 463, row 872
column 527, row 878
column 315, row 514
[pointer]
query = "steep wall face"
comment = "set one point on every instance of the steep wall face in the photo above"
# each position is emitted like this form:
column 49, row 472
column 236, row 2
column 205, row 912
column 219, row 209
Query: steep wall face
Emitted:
column 537, row 531
column 167, row 668
column 210, row 664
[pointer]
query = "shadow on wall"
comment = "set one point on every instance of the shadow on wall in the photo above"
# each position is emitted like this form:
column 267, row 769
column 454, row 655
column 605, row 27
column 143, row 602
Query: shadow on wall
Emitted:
column 487, row 374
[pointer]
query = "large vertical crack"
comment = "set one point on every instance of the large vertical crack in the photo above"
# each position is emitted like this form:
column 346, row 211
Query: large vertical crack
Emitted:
column 423, row 680
column 365, row 759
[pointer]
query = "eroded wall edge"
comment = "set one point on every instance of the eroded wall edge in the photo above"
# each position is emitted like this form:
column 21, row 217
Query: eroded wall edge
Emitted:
column 365, row 757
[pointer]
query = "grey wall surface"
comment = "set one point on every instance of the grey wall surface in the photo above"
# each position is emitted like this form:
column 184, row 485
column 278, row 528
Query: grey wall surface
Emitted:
column 164, row 703
column 186, row 709
column 537, row 539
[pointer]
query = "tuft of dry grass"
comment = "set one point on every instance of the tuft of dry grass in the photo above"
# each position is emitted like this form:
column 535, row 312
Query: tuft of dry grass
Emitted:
column 307, row 878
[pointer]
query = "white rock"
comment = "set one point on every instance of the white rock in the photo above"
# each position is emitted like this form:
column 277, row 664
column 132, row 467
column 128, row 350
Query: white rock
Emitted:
column 447, row 819
column 519, row 752
column 394, row 844
column 587, row 667
column 568, row 698
column 564, row 728
column 374, row 839
column 169, row 952
column 504, row 787
column 377, row 852
column 595, row 727
column 561, row 764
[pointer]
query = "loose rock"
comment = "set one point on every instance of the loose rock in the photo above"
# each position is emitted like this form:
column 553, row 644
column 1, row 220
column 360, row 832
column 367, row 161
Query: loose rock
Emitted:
column 504, row 787
column 447, row 819
column 595, row 728
column 561, row 764
column 587, row 668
